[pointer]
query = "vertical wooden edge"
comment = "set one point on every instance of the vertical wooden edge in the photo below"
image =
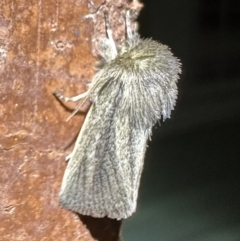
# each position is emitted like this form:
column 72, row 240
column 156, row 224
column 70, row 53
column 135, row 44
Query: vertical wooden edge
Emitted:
column 45, row 46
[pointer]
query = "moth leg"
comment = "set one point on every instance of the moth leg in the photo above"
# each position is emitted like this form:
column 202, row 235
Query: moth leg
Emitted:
column 73, row 99
column 109, row 33
column 93, row 14
column 67, row 158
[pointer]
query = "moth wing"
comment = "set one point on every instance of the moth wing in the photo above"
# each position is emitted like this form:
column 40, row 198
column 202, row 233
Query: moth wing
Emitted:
column 102, row 177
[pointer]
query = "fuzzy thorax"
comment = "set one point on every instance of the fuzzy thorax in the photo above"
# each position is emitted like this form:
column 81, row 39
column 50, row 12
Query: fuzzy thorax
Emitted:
column 145, row 73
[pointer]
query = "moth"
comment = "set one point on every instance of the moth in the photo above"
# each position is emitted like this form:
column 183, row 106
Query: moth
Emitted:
column 134, row 88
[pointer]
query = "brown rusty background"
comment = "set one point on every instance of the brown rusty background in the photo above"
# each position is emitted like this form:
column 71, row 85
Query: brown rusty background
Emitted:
column 45, row 45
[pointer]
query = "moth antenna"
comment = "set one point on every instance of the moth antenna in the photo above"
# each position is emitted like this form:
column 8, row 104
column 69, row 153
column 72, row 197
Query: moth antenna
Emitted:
column 129, row 34
column 109, row 33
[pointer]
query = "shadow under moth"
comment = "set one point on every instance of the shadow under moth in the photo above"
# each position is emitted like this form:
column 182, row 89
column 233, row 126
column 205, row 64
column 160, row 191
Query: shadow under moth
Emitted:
column 135, row 86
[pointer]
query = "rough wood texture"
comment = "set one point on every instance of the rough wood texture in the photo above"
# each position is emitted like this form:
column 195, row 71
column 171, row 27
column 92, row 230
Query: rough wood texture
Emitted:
column 45, row 45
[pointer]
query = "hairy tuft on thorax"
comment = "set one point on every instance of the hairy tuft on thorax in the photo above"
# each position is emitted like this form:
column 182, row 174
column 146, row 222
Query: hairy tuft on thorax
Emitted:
column 145, row 74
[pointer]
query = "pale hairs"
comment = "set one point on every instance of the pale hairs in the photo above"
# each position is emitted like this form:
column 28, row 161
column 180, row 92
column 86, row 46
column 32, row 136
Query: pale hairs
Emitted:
column 135, row 86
